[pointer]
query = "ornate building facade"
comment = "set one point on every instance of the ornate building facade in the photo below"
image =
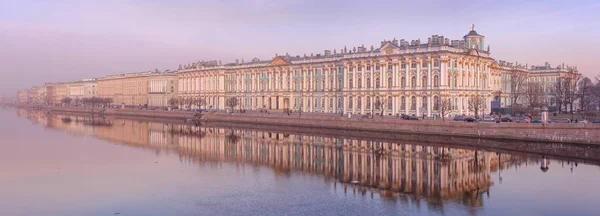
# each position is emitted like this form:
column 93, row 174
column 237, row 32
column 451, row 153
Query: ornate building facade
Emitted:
column 405, row 77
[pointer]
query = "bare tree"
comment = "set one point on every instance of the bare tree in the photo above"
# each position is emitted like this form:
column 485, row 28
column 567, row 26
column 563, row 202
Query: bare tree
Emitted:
column 517, row 85
column 181, row 102
column 200, row 102
column 475, row 104
column 189, row 102
column 381, row 104
column 534, row 95
column 444, row 105
column 558, row 94
column 66, row 101
column 232, row 102
column 585, row 93
column 570, row 90
column 173, row 102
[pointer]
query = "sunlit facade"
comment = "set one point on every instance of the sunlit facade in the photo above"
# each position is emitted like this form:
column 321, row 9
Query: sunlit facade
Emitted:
column 125, row 89
column 161, row 88
column 407, row 77
column 83, row 89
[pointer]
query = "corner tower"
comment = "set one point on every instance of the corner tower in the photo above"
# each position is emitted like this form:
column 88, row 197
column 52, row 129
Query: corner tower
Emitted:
column 474, row 40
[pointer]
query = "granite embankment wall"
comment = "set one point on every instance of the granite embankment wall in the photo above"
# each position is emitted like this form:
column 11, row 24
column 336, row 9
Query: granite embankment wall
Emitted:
column 555, row 133
column 116, row 112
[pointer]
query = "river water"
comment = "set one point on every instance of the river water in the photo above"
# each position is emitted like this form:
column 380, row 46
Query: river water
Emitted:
column 54, row 164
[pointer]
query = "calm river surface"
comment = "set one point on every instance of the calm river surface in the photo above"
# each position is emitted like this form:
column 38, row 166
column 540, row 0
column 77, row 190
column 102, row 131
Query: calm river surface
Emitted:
column 66, row 165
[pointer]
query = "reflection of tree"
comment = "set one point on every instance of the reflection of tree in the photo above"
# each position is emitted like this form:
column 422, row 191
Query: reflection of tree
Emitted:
column 187, row 131
column 232, row 137
column 66, row 120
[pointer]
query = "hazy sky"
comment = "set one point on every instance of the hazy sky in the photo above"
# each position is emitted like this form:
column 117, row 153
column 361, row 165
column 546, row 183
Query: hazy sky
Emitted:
column 50, row 41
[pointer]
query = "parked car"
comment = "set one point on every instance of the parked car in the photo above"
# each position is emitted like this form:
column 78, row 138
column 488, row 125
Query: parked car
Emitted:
column 459, row 118
column 404, row 116
column 506, row 119
column 582, row 121
column 470, row 119
column 538, row 121
column 489, row 119
column 523, row 120
column 563, row 120
column 596, row 122
column 413, row 118
column 366, row 116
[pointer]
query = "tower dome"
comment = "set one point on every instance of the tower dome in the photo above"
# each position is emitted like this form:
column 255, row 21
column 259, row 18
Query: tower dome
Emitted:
column 474, row 40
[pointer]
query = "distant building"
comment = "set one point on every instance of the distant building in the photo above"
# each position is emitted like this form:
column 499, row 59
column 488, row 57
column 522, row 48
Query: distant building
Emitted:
column 86, row 88
column 22, row 96
column 126, row 89
column 161, row 88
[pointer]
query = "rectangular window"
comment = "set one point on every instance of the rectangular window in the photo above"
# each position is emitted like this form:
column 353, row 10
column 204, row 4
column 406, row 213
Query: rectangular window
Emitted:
column 403, row 65
column 377, row 67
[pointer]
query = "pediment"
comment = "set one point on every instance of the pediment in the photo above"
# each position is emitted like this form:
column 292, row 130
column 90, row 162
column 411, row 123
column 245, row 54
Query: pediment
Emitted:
column 495, row 65
column 388, row 48
column 280, row 61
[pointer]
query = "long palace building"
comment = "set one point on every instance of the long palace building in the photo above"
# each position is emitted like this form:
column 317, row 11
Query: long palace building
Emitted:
column 406, row 77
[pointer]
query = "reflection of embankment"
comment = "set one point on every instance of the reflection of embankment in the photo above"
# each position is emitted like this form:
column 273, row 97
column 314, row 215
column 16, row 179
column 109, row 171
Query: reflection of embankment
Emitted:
column 394, row 169
column 584, row 153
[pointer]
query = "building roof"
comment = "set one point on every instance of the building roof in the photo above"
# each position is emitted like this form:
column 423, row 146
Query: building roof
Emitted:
column 473, row 33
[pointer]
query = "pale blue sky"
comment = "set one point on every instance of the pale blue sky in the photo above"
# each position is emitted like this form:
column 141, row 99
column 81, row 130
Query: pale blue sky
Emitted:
column 51, row 41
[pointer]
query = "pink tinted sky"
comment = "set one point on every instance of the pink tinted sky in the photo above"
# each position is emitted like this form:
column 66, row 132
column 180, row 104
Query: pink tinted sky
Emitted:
column 53, row 41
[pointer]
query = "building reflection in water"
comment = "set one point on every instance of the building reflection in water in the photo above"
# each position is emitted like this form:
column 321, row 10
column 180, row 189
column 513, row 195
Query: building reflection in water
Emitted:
column 397, row 171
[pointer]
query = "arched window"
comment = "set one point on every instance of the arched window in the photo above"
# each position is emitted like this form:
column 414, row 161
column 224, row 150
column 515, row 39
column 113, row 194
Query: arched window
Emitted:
column 413, row 103
column 359, row 82
column 449, row 80
column 424, row 81
column 368, row 83
column 377, row 82
column 413, row 82
column 403, row 82
column 315, row 104
column 436, row 81
column 322, row 102
column 389, row 85
column 331, row 103
column 403, row 103
column 424, row 102
column 350, row 83
column 359, row 103
column 350, row 102
column 377, row 103
column 368, row 103
column 436, row 103
column 389, row 102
